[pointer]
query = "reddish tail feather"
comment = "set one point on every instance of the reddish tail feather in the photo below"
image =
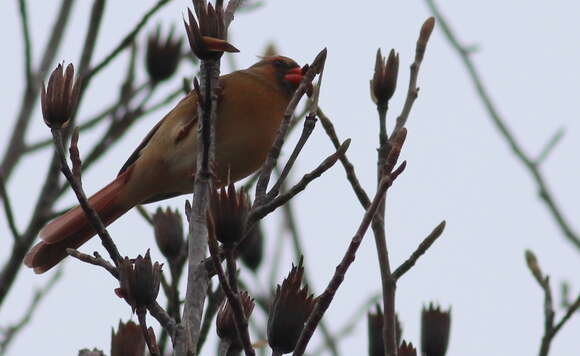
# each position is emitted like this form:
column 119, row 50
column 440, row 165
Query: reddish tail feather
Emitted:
column 73, row 229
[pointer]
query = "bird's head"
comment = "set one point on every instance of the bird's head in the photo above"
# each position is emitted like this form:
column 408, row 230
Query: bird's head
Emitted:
column 285, row 71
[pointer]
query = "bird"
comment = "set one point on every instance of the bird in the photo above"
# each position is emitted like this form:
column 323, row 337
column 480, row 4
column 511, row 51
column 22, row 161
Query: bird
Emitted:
column 251, row 105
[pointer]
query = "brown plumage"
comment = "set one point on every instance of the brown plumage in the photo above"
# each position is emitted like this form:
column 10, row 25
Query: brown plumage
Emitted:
column 251, row 106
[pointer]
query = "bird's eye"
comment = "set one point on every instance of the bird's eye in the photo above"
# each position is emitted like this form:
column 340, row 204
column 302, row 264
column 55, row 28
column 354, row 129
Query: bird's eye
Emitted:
column 279, row 63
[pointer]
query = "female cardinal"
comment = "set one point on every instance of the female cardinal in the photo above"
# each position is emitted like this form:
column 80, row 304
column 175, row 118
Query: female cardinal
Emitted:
column 251, row 106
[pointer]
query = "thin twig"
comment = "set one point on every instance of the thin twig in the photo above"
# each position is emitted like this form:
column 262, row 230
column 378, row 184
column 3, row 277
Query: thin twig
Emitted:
column 15, row 147
column 348, row 327
column 26, row 39
column 272, row 157
column 421, row 249
column 145, row 214
column 569, row 312
column 348, row 167
column 10, row 332
column 413, row 90
column 96, row 260
column 505, row 132
column 214, row 300
column 309, row 124
column 326, row 297
column 260, row 211
column 76, row 185
column 549, row 147
column 550, row 330
column 233, row 297
column 9, row 212
column 292, row 227
column 164, row 319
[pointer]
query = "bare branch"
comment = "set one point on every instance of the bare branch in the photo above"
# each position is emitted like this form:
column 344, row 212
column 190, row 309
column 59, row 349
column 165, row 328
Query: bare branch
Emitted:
column 233, row 297
column 348, row 167
column 76, row 185
column 260, row 211
column 26, row 39
column 95, row 260
column 549, row 147
column 326, row 297
column 421, row 249
column 16, row 146
column 509, row 137
column 9, row 212
column 272, row 158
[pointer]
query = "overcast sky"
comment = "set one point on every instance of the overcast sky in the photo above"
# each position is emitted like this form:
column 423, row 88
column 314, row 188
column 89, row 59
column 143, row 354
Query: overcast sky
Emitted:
column 459, row 169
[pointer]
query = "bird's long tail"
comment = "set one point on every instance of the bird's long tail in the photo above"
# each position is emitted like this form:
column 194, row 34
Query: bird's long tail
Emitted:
column 73, row 229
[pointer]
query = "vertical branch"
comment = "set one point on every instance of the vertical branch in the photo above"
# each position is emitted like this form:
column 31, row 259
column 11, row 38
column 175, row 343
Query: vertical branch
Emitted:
column 211, row 24
column 16, row 147
column 197, row 278
column 26, row 38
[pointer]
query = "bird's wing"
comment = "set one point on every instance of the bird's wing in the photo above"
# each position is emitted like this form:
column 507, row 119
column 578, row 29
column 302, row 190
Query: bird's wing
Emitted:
column 137, row 152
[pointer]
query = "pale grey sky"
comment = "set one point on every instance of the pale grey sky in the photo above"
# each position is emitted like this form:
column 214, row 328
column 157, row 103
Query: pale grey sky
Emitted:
column 458, row 167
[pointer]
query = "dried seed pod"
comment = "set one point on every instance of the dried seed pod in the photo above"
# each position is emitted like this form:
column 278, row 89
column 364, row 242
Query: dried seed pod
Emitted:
column 407, row 349
column 229, row 211
column 207, row 34
column 139, row 281
column 128, row 340
column 435, row 327
column 168, row 229
column 59, row 100
column 291, row 307
column 162, row 57
column 225, row 325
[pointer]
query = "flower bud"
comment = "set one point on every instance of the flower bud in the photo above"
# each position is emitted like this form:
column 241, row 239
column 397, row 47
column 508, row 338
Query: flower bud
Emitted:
column 435, row 326
column 225, row 324
column 290, row 310
column 168, row 229
column 128, row 340
column 59, row 100
column 139, row 281
column 229, row 211
column 162, row 56
column 384, row 80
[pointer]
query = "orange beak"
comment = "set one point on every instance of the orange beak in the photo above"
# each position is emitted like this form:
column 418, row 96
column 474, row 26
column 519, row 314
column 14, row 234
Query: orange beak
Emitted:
column 294, row 76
